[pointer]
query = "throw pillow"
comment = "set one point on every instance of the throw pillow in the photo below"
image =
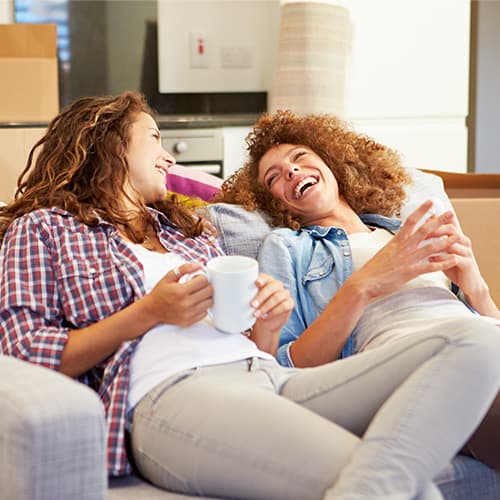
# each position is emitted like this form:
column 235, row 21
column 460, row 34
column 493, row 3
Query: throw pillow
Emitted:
column 188, row 182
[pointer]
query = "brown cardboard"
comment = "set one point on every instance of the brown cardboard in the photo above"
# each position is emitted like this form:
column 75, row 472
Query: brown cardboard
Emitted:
column 459, row 185
column 480, row 221
column 476, row 200
column 28, row 65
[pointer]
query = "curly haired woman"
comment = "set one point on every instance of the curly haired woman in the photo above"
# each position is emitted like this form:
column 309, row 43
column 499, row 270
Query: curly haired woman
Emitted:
column 95, row 283
column 360, row 279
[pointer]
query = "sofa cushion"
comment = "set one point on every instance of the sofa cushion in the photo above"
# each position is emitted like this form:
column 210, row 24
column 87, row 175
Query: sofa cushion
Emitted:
column 191, row 183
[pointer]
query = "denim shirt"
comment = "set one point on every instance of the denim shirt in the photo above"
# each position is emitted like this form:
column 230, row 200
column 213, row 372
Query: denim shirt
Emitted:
column 312, row 263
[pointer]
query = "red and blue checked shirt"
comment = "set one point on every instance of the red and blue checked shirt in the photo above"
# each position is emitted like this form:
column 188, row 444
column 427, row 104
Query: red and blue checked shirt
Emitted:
column 58, row 274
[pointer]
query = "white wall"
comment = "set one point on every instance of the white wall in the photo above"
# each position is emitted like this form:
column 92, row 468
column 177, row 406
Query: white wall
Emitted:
column 239, row 43
column 486, row 101
column 408, row 85
column 6, row 11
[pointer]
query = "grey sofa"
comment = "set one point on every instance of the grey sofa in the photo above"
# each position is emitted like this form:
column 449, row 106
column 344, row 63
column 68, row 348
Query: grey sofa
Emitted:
column 52, row 429
column 52, row 446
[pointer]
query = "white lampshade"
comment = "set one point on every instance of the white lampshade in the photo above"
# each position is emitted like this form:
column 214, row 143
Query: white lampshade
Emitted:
column 313, row 57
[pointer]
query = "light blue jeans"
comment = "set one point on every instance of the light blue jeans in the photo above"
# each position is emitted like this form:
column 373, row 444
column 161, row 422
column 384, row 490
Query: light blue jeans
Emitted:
column 377, row 425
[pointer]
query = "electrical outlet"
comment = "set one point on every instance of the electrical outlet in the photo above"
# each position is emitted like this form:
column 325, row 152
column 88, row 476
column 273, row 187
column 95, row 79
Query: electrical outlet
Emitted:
column 236, row 57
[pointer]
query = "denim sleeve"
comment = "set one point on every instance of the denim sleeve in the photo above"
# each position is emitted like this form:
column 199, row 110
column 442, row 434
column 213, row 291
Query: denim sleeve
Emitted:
column 277, row 259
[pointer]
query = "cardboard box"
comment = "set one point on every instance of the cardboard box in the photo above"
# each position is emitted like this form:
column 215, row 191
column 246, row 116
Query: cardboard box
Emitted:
column 29, row 90
column 469, row 185
column 479, row 218
column 476, row 200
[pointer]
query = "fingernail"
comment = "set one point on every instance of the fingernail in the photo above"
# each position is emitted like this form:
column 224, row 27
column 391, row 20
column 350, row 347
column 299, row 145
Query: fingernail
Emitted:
column 255, row 303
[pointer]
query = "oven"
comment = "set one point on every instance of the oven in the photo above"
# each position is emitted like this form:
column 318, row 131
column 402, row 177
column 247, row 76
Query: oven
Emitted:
column 198, row 148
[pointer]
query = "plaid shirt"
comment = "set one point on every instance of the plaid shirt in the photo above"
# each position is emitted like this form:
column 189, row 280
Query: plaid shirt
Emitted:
column 58, row 274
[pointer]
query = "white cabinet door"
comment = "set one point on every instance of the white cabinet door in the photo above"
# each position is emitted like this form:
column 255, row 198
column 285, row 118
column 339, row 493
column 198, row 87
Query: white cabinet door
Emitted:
column 15, row 145
column 234, row 148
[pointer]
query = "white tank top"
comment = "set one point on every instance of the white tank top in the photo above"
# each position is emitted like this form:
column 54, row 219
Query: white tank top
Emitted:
column 168, row 349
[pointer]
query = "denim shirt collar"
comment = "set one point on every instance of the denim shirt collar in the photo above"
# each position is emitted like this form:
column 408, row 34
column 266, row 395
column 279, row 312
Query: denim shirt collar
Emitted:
column 392, row 224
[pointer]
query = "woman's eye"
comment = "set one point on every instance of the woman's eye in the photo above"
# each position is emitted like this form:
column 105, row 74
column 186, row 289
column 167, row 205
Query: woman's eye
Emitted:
column 270, row 180
column 299, row 154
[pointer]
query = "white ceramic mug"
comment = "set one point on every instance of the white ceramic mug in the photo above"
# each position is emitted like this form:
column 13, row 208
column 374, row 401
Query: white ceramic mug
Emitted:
column 233, row 280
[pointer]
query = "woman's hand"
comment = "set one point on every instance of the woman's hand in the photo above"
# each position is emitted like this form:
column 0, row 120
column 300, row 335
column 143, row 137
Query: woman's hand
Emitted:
column 273, row 305
column 408, row 254
column 180, row 304
column 466, row 274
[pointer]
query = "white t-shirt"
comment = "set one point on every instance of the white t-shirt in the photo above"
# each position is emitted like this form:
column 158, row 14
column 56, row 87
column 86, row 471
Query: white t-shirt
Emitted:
column 169, row 349
column 427, row 297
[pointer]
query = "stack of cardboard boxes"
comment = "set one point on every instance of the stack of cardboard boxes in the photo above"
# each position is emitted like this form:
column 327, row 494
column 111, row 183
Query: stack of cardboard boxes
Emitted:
column 29, row 94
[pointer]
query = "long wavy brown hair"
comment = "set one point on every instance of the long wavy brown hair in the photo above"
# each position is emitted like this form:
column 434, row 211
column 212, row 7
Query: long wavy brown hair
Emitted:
column 80, row 165
column 369, row 175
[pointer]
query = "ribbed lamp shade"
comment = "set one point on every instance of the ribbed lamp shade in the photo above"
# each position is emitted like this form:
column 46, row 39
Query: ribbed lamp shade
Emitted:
column 313, row 54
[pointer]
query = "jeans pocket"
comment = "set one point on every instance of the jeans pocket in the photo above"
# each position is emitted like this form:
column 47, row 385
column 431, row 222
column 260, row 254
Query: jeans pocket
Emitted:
column 156, row 394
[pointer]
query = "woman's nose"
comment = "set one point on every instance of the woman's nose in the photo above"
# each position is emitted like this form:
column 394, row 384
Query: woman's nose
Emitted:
column 291, row 171
column 169, row 158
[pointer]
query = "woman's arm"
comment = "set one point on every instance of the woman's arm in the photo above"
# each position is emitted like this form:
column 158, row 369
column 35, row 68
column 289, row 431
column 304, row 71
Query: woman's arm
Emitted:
column 34, row 326
column 401, row 260
column 466, row 274
column 169, row 302
column 273, row 305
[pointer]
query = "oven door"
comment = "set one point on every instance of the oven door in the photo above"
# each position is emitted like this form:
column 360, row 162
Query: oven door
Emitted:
column 200, row 149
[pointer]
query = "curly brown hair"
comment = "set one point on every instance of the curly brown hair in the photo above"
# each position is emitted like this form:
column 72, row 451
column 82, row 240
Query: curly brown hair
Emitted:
column 80, row 165
column 369, row 175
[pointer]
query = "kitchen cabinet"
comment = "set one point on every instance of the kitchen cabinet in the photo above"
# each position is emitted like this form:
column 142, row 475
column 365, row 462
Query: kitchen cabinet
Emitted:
column 15, row 145
column 234, row 148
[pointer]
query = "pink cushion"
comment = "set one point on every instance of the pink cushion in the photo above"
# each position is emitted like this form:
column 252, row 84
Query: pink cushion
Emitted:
column 193, row 183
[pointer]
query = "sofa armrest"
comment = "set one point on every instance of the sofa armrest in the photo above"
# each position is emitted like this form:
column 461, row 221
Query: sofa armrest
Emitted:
column 52, row 435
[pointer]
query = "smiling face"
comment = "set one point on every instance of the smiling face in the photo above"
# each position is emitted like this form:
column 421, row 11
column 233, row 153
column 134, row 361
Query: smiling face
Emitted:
column 148, row 161
column 303, row 182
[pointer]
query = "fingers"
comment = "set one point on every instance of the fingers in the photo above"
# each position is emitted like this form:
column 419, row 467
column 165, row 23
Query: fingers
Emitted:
column 415, row 218
column 419, row 229
column 179, row 271
column 272, row 298
column 208, row 228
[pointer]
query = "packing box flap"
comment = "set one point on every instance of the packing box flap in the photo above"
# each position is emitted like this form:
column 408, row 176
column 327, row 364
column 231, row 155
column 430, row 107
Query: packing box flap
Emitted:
column 461, row 185
column 28, row 40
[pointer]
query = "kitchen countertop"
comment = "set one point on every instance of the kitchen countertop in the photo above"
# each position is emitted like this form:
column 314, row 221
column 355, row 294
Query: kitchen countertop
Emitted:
column 206, row 121
column 176, row 121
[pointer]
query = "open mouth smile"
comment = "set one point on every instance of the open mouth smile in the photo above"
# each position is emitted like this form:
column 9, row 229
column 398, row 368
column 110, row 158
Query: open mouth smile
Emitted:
column 162, row 170
column 304, row 185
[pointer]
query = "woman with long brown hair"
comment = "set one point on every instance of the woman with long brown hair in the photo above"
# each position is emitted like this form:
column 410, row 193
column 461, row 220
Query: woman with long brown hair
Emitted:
column 98, row 281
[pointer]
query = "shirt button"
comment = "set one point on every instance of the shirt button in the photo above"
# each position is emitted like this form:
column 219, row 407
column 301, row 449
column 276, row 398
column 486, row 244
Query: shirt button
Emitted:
column 344, row 243
column 92, row 270
column 321, row 273
column 346, row 254
column 339, row 232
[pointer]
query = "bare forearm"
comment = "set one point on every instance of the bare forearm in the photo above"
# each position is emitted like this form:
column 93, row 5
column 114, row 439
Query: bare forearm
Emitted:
column 481, row 300
column 267, row 340
column 88, row 346
column 323, row 341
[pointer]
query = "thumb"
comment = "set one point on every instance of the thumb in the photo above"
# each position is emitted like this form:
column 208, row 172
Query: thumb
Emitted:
column 179, row 271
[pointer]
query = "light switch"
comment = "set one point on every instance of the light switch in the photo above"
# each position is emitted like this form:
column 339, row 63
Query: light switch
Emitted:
column 198, row 50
